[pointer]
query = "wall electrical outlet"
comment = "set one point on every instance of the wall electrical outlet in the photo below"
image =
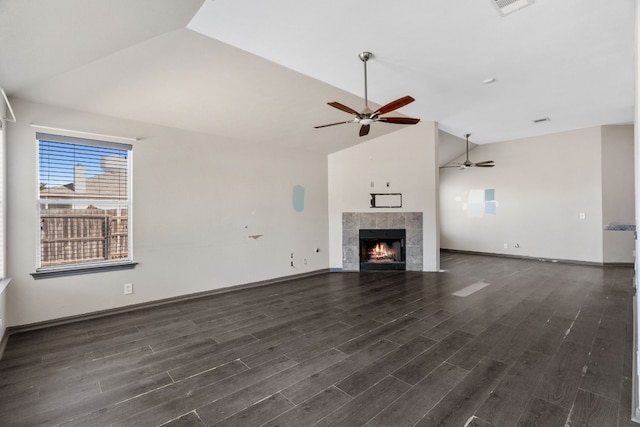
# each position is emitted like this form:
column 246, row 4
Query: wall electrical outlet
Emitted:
column 506, row 246
column 128, row 288
column 582, row 215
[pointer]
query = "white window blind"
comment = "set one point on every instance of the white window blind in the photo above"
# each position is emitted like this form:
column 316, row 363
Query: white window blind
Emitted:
column 84, row 206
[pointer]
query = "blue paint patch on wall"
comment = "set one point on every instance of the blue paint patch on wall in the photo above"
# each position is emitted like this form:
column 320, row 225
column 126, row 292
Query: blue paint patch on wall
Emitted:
column 489, row 194
column 298, row 198
column 490, row 201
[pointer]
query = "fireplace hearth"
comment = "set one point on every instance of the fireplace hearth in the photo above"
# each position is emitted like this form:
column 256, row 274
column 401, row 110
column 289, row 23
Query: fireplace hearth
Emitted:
column 382, row 249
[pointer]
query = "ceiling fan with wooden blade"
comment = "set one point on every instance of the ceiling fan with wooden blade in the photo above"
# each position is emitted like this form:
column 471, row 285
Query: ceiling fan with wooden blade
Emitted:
column 368, row 116
column 469, row 164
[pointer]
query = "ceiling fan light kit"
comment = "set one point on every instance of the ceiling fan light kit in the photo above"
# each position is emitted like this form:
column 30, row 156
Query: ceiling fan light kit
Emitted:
column 468, row 163
column 367, row 117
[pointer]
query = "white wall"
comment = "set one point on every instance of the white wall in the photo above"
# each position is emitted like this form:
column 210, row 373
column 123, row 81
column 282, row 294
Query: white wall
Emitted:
column 407, row 159
column 196, row 199
column 618, row 192
column 4, row 113
column 541, row 185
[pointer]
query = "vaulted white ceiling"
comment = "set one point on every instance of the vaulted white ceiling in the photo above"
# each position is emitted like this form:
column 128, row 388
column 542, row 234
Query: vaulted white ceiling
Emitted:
column 263, row 71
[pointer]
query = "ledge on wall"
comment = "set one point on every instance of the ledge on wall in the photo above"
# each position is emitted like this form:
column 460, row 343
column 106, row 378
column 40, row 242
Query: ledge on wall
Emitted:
column 64, row 272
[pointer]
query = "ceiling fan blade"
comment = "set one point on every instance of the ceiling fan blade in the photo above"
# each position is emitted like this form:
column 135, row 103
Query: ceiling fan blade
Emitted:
column 364, row 130
column 485, row 162
column 394, row 105
column 483, row 165
column 344, row 108
column 399, row 120
column 332, row 124
column 450, row 166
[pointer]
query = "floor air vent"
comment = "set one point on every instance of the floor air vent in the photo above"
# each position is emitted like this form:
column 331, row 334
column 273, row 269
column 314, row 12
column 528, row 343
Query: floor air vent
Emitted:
column 505, row 7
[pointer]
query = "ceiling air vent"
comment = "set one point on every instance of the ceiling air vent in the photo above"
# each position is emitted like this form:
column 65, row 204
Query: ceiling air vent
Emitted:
column 506, row 7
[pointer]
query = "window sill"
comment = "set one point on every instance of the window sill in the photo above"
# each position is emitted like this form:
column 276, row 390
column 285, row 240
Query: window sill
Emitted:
column 74, row 271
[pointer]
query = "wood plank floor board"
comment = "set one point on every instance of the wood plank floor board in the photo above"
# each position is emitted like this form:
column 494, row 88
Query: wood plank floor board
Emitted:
column 72, row 370
column 141, row 342
column 159, row 364
column 420, row 399
column 189, row 420
column 584, row 328
column 513, row 345
column 403, row 309
column 624, row 407
column 377, row 334
column 481, row 345
column 462, row 401
column 302, row 390
column 202, row 363
column 477, row 422
column 366, row 377
column 592, row 410
column 615, row 327
column 254, row 415
column 452, row 323
column 311, row 410
column 283, row 347
column 248, row 396
column 409, row 332
column 15, row 397
column 420, row 366
column 197, row 334
column 168, row 403
column 509, row 399
column 225, row 355
column 480, row 323
column 358, row 411
column 269, row 327
column 324, row 344
column 540, row 413
column 560, row 382
column 551, row 336
column 341, row 316
column 604, row 369
column 429, row 310
column 518, row 313
column 35, row 416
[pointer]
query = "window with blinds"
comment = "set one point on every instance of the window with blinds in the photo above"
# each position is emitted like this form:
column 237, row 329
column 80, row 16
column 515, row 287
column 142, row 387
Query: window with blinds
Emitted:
column 84, row 204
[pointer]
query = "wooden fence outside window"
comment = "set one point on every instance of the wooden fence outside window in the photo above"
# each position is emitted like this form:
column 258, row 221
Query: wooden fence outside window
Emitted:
column 73, row 236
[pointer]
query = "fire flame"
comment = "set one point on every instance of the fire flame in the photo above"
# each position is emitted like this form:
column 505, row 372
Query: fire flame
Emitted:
column 381, row 250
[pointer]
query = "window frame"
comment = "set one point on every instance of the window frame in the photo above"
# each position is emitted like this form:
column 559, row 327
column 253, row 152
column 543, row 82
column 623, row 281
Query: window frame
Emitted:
column 89, row 266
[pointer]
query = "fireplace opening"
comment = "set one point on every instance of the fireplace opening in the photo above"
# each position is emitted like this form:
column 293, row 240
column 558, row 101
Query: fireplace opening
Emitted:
column 383, row 249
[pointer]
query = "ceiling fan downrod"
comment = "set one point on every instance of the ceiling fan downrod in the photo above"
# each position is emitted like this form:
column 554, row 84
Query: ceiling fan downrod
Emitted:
column 364, row 56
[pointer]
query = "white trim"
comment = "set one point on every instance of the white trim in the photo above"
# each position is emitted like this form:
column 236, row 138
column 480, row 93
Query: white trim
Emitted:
column 6, row 100
column 79, row 132
column 4, row 283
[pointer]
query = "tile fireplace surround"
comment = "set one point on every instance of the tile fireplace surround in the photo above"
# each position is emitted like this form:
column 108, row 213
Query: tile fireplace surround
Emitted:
column 352, row 222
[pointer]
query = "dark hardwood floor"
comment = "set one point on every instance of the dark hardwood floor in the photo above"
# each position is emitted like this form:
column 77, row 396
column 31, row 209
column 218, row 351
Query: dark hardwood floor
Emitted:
column 544, row 344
